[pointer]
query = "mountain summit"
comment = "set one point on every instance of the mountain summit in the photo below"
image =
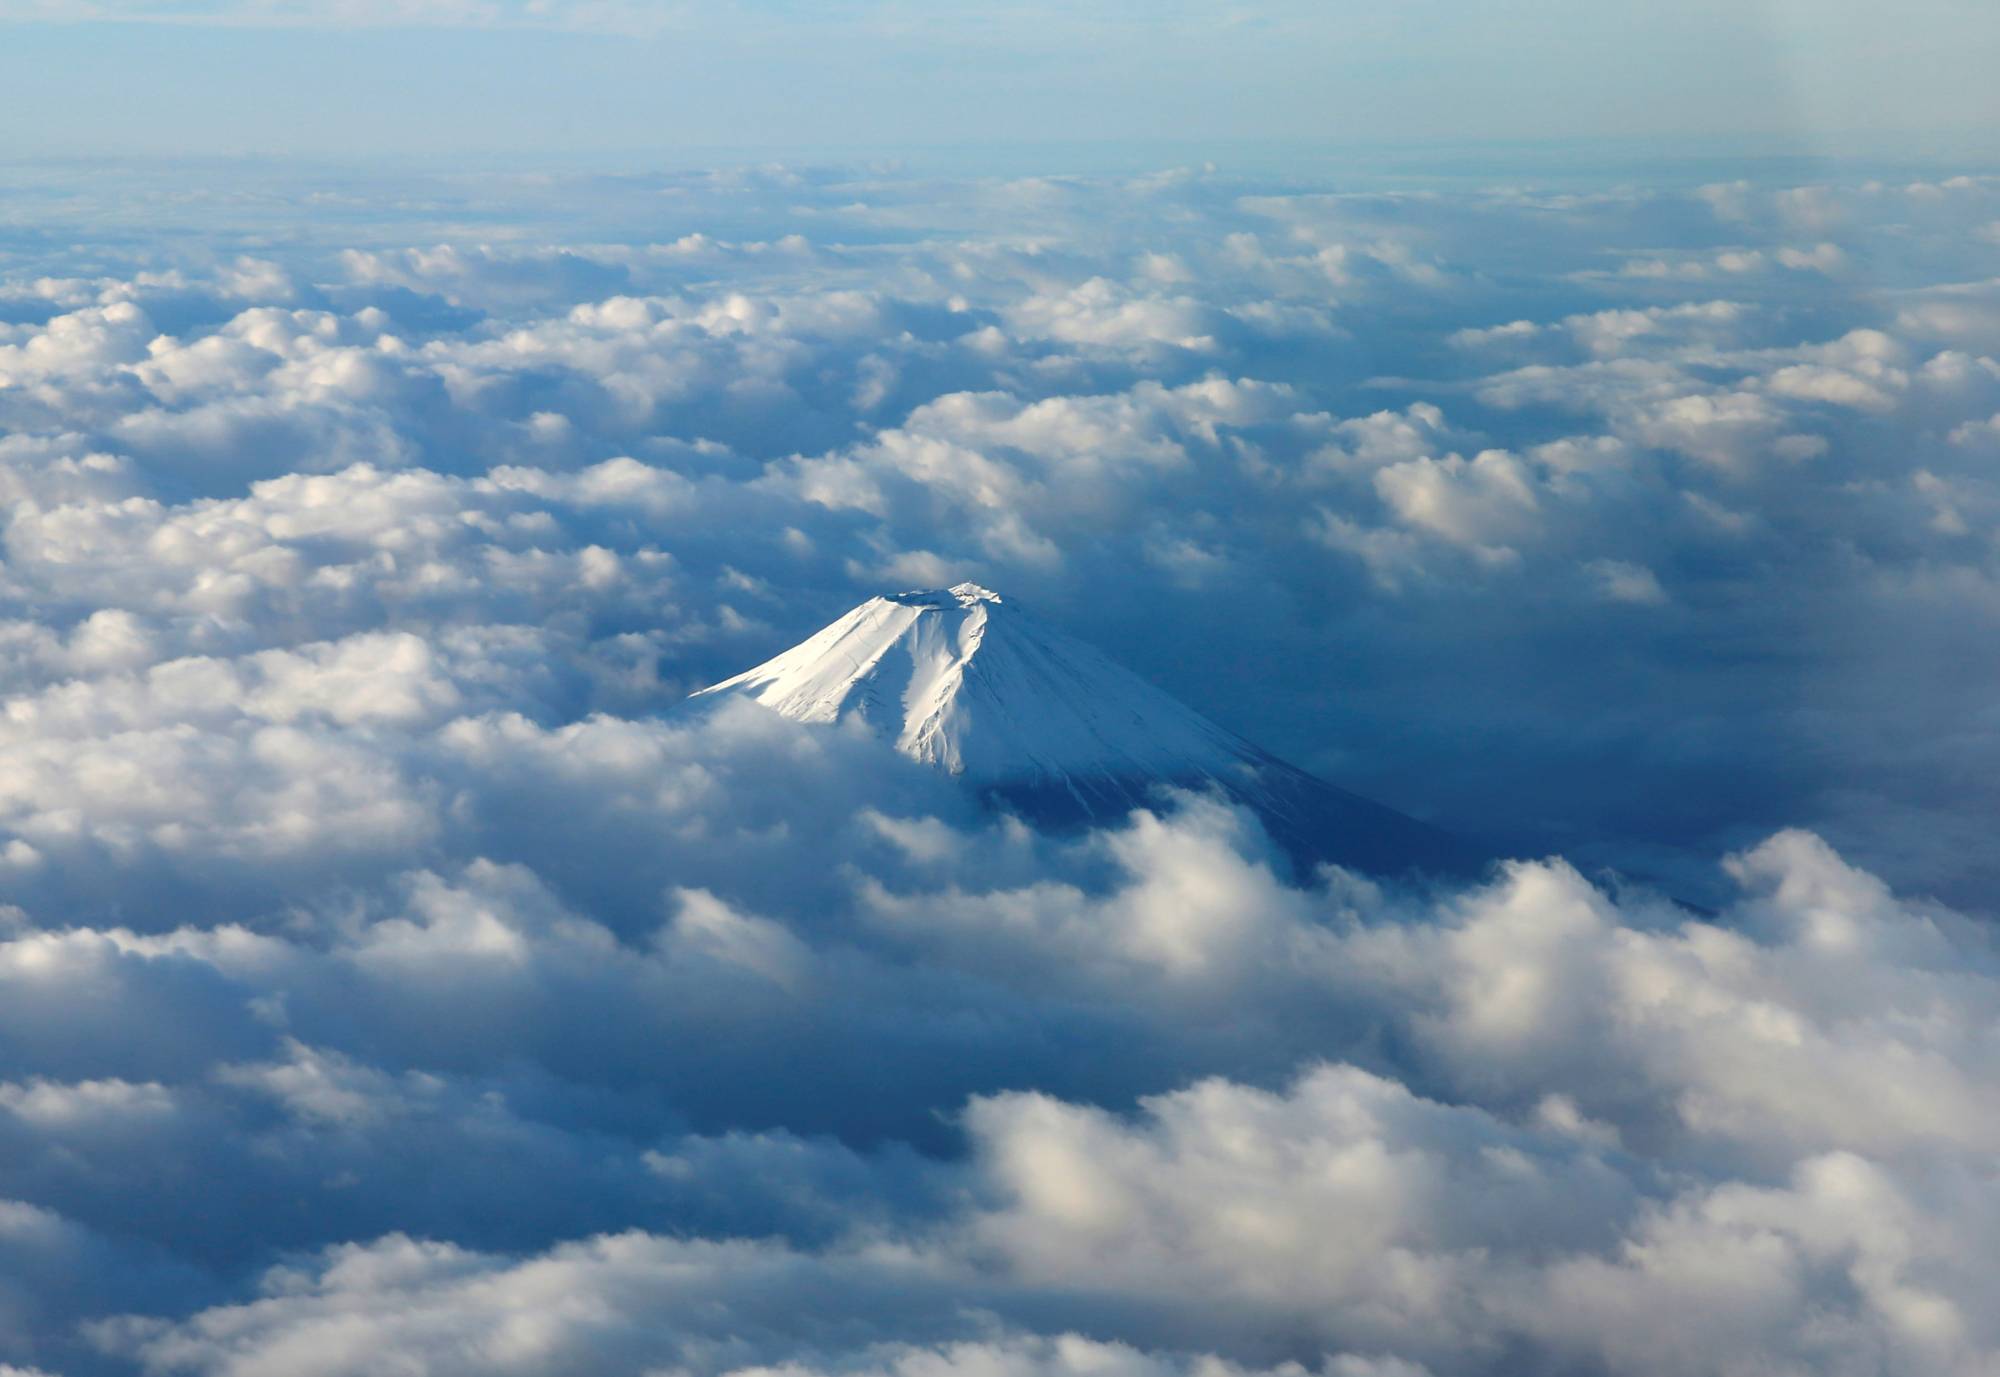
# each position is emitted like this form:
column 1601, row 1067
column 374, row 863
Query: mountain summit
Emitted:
column 966, row 681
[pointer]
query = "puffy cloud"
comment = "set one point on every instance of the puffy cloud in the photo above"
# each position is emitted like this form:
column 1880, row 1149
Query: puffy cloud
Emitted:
column 1479, row 502
column 1622, row 581
column 1097, row 313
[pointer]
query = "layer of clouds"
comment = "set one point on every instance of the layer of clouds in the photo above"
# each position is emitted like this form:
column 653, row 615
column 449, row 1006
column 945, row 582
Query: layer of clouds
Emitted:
column 1528, row 1124
column 393, row 973
column 1397, row 442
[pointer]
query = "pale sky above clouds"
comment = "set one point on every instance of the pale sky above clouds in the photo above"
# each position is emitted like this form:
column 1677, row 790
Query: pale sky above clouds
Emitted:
column 323, row 76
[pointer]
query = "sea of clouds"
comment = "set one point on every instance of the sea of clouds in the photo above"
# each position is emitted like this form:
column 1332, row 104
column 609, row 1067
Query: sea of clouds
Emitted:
column 392, row 981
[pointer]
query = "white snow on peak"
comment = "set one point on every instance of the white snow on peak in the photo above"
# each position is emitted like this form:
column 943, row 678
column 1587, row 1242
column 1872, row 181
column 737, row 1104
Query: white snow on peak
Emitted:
column 962, row 680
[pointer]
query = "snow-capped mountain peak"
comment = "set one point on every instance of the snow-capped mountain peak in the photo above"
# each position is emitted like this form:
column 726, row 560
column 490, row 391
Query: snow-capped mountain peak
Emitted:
column 963, row 680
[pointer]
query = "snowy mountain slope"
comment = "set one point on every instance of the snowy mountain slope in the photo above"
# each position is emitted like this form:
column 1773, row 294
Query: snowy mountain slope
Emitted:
column 963, row 680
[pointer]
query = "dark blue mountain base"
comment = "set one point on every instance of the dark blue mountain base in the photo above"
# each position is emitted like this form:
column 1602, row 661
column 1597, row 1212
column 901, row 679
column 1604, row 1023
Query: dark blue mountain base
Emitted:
column 1312, row 823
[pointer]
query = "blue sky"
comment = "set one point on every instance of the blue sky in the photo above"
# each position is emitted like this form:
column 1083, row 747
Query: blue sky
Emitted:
column 345, row 78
